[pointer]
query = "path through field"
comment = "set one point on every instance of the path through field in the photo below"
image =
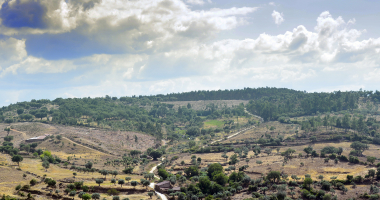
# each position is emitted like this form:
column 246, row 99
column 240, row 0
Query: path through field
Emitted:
column 85, row 146
column 233, row 135
column 242, row 131
column 163, row 197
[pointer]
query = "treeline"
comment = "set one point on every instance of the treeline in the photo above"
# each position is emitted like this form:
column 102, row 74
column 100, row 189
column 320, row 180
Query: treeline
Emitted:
column 293, row 105
column 116, row 114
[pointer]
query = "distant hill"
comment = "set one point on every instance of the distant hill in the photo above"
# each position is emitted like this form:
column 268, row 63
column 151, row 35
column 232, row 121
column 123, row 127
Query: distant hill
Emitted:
column 129, row 113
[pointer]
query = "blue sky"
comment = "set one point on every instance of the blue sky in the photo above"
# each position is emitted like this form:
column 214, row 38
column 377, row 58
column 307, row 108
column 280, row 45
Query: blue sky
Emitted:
column 81, row 48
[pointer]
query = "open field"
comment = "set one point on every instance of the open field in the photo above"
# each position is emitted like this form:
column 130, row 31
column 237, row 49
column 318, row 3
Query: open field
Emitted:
column 111, row 142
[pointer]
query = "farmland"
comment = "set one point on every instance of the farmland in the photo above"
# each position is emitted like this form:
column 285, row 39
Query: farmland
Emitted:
column 214, row 149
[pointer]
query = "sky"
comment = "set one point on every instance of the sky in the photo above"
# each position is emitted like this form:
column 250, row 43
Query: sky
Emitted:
column 93, row 48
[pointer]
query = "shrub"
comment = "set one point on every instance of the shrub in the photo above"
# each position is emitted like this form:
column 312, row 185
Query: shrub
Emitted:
column 252, row 188
column 25, row 187
column 113, row 191
column 18, row 187
column 343, row 158
column 33, row 182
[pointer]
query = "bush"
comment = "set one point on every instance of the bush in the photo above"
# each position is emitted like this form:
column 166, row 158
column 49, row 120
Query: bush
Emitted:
column 25, row 187
column 113, row 191
column 343, row 158
column 354, row 159
column 252, row 188
column 18, row 187
column 33, row 182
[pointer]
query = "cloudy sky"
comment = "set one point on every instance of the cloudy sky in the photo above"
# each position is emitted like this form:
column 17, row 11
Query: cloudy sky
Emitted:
column 81, row 48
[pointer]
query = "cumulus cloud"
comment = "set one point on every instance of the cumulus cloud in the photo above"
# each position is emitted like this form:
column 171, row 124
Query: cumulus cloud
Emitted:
column 277, row 17
column 329, row 56
column 116, row 26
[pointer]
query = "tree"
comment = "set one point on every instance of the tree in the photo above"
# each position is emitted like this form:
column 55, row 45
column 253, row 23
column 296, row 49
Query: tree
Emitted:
column 371, row 159
column 20, row 111
column 191, row 144
column 8, row 138
column 155, row 154
column 163, row 173
column 73, row 193
column 371, row 173
column 274, row 176
column 213, row 169
column 307, row 182
column 46, row 165
column 313, row 139
column 145, row 183
column 86, row 196
column 358, row 146
column 95, row 196
column 193, row 131
column 88, row 165
column 99, row 181
column 113, row 181
column 134, row 183
column 104, row 173
column 220, row 178
column 191, row 171
column 17, row 159
column 121, row 182
column 234, row 159
column 340, row 151
column 308, row 150
column 128, row 178
column 150, row 194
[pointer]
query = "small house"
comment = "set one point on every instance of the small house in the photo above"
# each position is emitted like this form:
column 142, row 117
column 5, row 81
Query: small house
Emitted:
column 163, row 186
column 38, row 138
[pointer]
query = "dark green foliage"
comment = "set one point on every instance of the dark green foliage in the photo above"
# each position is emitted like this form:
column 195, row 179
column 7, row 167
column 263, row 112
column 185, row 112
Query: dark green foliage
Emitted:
column 298, row 103
column 191, row 171
column 213, row 169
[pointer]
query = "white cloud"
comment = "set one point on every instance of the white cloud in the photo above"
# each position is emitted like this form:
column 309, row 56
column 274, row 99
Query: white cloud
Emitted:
column 272, row 4
column 277, row 17
column 130, row 26
column 197, row 2
column 329, row 56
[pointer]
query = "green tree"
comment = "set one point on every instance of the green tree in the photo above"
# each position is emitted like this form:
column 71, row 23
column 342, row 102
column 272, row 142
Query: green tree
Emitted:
column 274, row 176
column 134, row 183
column 150, row 194
column 86, row 196
column 234, row 159
column 358, row 146
column 99, row 181
column 121, row 182
column 17, row 158
column 220, row 178
column 371, row 159
column 155, row 154
column 307, row 182
column 95, row 196
column 20, row 111
column 213, row 169
column 191, row 171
